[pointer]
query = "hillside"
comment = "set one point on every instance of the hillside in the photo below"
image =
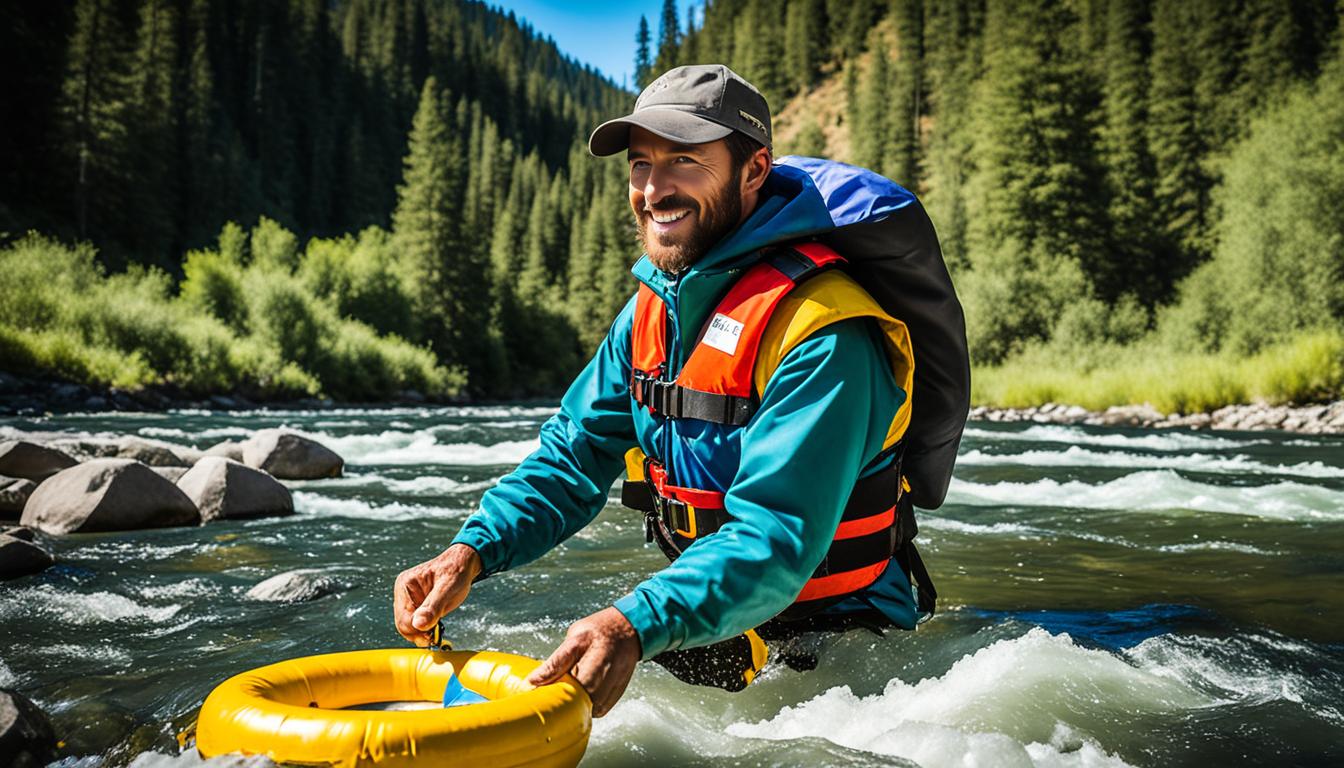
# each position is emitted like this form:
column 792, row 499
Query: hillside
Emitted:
column 1089, row 167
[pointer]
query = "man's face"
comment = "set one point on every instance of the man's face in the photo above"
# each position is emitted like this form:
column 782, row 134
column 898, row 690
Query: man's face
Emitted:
column 685, row 197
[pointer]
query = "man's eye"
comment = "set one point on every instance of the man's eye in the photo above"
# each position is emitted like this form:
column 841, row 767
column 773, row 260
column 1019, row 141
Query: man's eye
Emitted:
column 685, row 159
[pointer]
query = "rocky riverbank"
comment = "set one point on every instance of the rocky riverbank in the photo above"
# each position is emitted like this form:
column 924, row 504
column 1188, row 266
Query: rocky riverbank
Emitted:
column 1318, row 419
column 27, row 396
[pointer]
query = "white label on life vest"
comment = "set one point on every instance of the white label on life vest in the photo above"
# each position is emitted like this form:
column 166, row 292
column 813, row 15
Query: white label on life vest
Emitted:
column 723, row 333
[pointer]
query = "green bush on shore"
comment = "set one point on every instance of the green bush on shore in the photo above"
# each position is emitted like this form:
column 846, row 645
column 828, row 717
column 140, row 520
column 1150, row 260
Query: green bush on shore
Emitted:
column 242, row 321
column 1307, row 368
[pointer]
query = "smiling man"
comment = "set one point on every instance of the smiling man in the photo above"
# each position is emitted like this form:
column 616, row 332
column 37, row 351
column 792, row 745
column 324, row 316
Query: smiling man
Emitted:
column 756, row 397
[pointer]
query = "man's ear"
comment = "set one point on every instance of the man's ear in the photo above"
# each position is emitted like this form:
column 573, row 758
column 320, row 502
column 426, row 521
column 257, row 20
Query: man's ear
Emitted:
column 756, row 169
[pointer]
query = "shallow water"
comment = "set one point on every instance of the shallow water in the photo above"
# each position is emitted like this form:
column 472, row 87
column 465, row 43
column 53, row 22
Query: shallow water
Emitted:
column 1109, row 598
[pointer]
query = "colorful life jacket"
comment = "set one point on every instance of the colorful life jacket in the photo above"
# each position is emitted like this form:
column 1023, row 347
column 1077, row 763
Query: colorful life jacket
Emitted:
column 789, row 294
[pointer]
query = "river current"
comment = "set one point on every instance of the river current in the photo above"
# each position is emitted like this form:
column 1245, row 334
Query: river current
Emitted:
column 1108, row 598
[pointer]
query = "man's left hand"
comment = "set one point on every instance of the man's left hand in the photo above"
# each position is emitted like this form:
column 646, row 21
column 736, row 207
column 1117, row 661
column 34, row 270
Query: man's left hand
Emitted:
column 602, row 651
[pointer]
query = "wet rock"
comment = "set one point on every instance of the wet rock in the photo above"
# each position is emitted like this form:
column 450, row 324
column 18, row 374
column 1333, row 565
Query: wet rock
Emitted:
column 1130, row 416
column 290, row 456
column 21, row 458
column 19, row 532
column 296, row 586
column 224, row 403
column 107, row 495
column 222, row 488
column 22, row 558
column 229, row 449
column 151, row 452
column 13, row 496
column 171, row 474
column 26, row 737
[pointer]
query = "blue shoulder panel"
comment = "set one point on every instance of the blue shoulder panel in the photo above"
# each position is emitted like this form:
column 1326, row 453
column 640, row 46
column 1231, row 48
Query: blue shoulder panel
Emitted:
column 851, row 194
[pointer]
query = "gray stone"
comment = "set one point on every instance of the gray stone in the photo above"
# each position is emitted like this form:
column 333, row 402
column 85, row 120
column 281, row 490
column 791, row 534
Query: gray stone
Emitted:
column 1131, row 415
column 26, row 737
column 290, row 456
column 171, row 474
column 18, row 532
column 21, row 558
column 228, row 449
column 21, row 458
column 155, row 453
column 295, row 586
column 13, row 496
column 107, row 495
column 222, row 488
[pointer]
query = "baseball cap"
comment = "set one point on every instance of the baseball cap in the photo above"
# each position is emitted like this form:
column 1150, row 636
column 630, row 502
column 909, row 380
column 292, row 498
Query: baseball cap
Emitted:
column 691, row 104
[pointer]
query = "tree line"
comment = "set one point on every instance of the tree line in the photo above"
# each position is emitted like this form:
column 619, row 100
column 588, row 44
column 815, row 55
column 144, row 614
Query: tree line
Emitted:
column 1087, row 163
column 453, row 129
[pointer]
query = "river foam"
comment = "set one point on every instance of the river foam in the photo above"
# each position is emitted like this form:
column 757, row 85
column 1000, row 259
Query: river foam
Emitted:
column 1017, row 702
column 1159, row 490
column 1076, row 456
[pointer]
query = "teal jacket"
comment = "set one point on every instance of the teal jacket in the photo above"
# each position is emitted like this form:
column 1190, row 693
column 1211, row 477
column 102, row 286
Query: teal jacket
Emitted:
column 786, row 475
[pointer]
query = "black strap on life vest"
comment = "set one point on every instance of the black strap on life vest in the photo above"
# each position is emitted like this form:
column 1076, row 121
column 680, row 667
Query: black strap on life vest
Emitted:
column 665, row 517
column 670, row 399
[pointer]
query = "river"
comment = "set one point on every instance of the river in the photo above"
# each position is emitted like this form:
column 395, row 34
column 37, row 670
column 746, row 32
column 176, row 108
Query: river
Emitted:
column 1108, row 597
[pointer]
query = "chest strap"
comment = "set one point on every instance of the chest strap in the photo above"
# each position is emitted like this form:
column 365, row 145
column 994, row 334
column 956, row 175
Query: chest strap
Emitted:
column 716, row 383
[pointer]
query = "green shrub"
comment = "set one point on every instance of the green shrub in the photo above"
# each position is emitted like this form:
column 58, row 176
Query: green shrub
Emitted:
column 214, row 284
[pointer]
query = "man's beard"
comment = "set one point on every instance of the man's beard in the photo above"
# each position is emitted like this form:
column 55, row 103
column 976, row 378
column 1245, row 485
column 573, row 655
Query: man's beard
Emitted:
column 674, row 253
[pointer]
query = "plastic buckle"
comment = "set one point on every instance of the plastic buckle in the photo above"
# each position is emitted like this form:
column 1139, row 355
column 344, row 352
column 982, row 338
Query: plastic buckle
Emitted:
column 436, row 640
column 680, row 517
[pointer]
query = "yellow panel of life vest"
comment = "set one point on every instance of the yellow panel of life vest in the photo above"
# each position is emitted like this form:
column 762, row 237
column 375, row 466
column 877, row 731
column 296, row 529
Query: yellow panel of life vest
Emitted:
column 828, row 298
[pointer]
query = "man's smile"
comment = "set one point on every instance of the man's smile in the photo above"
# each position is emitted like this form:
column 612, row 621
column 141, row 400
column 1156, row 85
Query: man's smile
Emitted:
column 666, row 221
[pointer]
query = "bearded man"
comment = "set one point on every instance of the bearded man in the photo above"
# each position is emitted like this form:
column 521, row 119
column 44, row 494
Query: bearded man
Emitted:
column 756, row 398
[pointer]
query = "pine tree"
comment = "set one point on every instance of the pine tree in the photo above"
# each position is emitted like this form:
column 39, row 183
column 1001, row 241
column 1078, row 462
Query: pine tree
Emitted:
column 1139, row 264
column 1036, row 225
column 804, row 41
column 669, row 36
column 452, row 286
column 1175, row 140
column 643, row 64
column 952, row 59
column 151, row 170
column 94, row 116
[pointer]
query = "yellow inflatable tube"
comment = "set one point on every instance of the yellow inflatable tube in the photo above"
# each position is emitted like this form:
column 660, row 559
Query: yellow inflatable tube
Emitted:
column 294, row 712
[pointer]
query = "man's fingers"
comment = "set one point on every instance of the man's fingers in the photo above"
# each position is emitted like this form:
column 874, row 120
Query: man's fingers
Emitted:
column 560, row 662
column 435, row 605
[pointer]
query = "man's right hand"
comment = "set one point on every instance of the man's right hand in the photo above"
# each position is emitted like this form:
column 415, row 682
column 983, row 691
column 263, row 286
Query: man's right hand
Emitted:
column 425, row 593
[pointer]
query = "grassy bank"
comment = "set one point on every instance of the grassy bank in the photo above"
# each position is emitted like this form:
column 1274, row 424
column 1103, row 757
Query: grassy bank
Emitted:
column 245, row 322
column 1307, row 368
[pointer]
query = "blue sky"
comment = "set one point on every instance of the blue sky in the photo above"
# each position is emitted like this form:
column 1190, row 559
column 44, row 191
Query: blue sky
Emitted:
column 601, row 33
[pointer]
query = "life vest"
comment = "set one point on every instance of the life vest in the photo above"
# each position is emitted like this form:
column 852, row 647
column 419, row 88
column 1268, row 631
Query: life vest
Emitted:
column 777, row 303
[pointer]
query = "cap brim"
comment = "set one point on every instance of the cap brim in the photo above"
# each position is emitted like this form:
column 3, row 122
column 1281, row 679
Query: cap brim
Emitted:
column 673, row 124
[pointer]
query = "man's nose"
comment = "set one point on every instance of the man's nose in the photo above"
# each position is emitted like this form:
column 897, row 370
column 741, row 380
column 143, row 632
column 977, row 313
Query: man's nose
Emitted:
column 658, row 186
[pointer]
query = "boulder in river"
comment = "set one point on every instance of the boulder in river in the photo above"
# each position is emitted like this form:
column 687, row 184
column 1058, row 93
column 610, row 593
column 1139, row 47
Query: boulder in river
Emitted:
column 21, row 558
column 26, row 737
column 13, row 496
column 223, row 488
column 290, row 456
column 18, row 532
column 107, row 495
column 20, row 458
column 171, row 474
column 229, row 449
column 295, row 587
column 154, row 453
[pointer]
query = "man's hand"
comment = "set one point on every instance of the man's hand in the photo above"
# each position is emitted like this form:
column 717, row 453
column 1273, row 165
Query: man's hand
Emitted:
column 602, row 650
column 425, row 593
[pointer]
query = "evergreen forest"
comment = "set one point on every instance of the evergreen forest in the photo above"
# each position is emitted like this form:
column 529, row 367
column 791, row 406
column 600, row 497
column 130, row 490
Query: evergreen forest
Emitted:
column 1138, row 201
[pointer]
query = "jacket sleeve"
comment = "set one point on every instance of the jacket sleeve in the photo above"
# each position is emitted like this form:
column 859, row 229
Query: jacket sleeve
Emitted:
column 562, row 486
column 823, row 416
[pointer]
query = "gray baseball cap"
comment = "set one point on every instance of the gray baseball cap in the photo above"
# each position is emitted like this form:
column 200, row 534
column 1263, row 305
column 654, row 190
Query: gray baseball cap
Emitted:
column 692, row 104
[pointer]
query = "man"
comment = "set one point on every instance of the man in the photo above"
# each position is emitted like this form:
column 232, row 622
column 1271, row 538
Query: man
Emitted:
column 827, row 414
